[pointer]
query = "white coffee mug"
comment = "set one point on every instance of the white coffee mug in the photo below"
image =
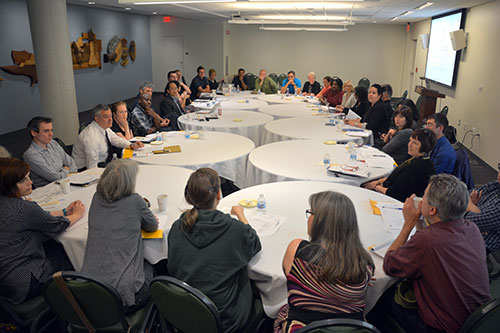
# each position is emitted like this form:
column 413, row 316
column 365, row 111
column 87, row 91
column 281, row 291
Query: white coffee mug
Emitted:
column 162, row 202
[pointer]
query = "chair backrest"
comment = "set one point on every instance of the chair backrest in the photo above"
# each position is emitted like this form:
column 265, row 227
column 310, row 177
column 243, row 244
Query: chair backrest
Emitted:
column 484, row 319
column 462, row 168
column 251, row 81
column 67, row 149
column 444, row 111
column 83, row 126
column 282, row 78
column 338, row 325
column 404, row 94
column 99, row 301
column 175, row 299
column 418, row 103
column 274, row 77
column 365, row 82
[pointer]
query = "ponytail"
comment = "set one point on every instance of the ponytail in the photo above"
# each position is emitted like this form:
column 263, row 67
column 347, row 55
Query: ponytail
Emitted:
column 190, row 217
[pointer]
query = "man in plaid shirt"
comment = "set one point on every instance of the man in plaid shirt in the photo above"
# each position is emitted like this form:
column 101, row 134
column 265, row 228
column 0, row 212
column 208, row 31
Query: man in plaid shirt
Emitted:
column 484, row 210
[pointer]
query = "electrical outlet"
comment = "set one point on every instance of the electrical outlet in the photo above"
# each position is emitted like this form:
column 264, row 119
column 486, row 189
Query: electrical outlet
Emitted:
column 459, row 122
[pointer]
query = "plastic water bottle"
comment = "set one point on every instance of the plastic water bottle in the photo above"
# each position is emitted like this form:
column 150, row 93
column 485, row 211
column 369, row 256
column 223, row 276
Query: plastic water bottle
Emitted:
column 158, row 136
column 326, row 159
column 219, row 111
column 261, row 204
column 352, row 151
column 114, row 157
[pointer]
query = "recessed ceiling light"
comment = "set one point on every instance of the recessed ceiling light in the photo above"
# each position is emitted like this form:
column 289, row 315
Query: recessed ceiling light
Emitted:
column 154, row 13
column 128, row 8
column 91, row 2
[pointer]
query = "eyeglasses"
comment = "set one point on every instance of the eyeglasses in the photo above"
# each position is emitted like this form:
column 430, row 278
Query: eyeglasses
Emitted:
column 309, row 213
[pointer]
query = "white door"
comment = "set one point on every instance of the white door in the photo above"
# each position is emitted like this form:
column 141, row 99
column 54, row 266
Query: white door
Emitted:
column 173, row 55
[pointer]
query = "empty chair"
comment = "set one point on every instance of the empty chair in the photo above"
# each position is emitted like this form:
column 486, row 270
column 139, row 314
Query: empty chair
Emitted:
column 174, row 299
column 274, row 76
column 485, row 319
column 282, row 78
column 88, row 304
column 338, row 325
column 444, row 110
column 365, row 82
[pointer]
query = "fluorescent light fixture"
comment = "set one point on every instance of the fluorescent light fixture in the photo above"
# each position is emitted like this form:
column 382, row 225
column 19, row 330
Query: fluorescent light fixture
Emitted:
column 180, row 1
column 425, row 5
column 154, row 13
column 329, row 0
column 394, row 18
column 240, row 21
column 302, row 17
column 408, row 12
column 291, row 5
column 128, row 8
column 91, row 2
column 301, row 29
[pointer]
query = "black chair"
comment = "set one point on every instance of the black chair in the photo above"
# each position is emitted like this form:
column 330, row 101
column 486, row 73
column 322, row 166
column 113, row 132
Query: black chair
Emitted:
column 418, row 103
column 93, row 304
column 251, row 81
column 444, row 111
column 282, row 78
column 27, row 314
column 274, row 77
column 338, row 325
column 485, row 319
column 68, row 149
column 404, row 94
column 365, row 82
column 175, row 298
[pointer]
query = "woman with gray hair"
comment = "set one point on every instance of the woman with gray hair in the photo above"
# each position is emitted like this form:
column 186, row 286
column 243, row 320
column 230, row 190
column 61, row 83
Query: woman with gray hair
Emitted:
column 114, row 251
column 327, row 276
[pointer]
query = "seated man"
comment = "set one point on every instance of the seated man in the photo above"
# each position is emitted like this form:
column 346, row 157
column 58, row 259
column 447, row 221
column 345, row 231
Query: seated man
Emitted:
column 265, row 83
column 184, row 92
column 97, row 143
column 47, row 160
column 291, row 85
column 311, row 87
column 145, row 88
column 144, row 120
column 443, row 155
column 484, row 210
column 170, row 107
column 199, row 84
column 386, row 97
column 240, row 81
column 445, row 260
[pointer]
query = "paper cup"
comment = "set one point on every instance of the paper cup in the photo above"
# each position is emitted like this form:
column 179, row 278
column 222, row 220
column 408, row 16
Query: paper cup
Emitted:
column 162, row 202
column 65, row 186
column 164, row 136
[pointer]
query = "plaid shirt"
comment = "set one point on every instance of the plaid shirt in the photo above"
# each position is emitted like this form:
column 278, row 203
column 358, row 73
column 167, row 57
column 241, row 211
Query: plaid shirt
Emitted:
column 141, row 122
column 488, row 220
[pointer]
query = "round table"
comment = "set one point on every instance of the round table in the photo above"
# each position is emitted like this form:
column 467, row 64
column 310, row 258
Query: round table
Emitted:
column 305, row 128
column 290, row 199
column 283, row 99
column 295, row 110
column 226, row 153
column 151, row 181
column 242, row 103
column 302, row 160
column 245, row 123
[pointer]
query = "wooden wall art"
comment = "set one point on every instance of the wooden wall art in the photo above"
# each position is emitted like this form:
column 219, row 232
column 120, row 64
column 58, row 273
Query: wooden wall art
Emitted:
column 118, row 51
column 24, row 65
column 86, row 54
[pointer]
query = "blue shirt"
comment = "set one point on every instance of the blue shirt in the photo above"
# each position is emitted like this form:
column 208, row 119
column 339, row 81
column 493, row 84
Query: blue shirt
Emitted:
column 195, row 84
column 443, row 156
column 291, row 88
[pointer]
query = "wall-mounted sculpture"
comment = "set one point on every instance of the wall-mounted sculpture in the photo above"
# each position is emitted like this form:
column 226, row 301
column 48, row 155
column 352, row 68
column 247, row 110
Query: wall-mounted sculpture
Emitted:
column 118, row 51
column 24, row 65
column 86, row 54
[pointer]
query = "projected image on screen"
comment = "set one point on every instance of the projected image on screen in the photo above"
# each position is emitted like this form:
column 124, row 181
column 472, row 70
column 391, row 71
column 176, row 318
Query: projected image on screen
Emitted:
column 441, row 57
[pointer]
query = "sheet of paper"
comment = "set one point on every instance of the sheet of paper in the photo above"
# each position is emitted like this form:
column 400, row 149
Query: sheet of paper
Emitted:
column 358, row 134
column 47, row 197
column 352, row 115
column 266, row 224
column 392, row 215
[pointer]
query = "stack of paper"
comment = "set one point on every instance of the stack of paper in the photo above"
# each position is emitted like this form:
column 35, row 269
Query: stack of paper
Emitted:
column 392, row 215
column 350, row 170
column 266, row 224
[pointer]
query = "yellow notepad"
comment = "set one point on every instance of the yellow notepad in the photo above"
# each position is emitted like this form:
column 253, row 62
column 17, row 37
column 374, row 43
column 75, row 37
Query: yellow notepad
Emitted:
column 127, row 153
column 375, row 209
column 158, row 234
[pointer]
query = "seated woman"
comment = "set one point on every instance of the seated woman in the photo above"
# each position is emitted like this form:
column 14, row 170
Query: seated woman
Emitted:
column 170, row 106
column 212, row 82
column 397, row 138
column 114, row 251
column 362, row 104
column 412, row 176
column 27, row 255
column 327, row 82
column 349, row 98
column 376, row 118
column 328, row 276
column 333, row 96
column 210, row 250
column 120, row 121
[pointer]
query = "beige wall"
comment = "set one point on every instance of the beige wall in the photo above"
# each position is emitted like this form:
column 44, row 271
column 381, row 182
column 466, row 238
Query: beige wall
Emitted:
column 479, row 66
column 202, row 41
column 372, row 50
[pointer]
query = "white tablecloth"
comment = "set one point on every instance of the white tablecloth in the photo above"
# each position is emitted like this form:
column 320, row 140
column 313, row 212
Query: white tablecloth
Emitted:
column 245, row 123
column 226, row 153
column 242, row 102
column 283, row 99
column 306, row 128
column 290, row 199
column 301, row 160
column 294, row 110
column 151, row 181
